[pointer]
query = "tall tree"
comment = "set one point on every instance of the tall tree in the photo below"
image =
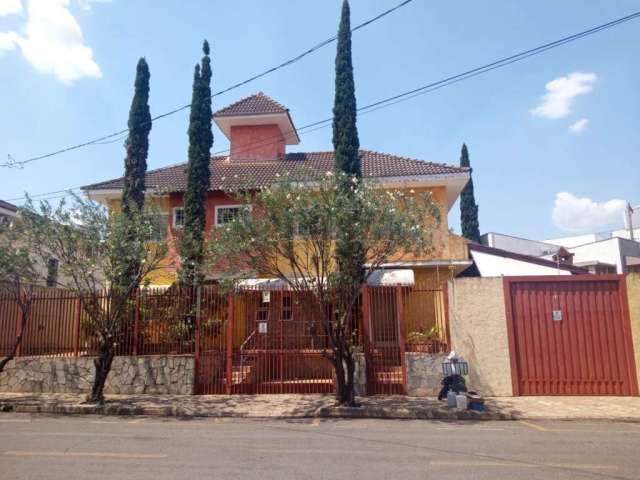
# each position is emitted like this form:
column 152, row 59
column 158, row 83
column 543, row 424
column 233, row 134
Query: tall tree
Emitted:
column 345, row 132
column 468, row 206
column 200, row 142
column 137, row 144
column 349, row 251
column 135, row 162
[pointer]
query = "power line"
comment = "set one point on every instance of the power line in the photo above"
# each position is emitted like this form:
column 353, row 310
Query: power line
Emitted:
column 108, row 138
column 424, row 89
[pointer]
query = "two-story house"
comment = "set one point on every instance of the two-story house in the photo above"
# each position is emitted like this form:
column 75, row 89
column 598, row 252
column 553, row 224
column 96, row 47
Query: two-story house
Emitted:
column 259, row 130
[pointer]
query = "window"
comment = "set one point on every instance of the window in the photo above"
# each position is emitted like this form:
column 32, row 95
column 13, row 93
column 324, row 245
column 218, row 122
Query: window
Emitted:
column 264, row 307
column 226, row 213
column 52, row 272
column 178, row 217
column 287, row 306
column 160, row 222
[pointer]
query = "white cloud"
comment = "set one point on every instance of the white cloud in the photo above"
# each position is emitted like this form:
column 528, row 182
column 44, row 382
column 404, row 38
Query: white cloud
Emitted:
column 8, row 40
column 582, row 214
column 88, row 4
column 53, row 42
column 579, row 126
column 561, row 93
column 10, row 7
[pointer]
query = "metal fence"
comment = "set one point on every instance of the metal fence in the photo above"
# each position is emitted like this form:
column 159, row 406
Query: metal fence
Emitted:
column 250, row 341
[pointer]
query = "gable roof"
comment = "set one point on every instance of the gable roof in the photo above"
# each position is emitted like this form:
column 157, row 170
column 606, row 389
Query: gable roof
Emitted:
column 226, row 174
column 498, row 252
column 256, row 104
column 8, row 206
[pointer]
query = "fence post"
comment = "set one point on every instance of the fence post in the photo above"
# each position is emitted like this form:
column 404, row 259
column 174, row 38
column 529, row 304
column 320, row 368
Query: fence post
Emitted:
column 76, row 326
column 136, row 324
column 17, row 330
column 366, row 339
column 197, row 340
column 401, row 338
column 229, row 353
column 447, row 327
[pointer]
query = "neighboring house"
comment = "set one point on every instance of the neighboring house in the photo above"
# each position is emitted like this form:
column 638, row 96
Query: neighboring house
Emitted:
column 49, row 272
column 7, row 211
column 600, row 253
column 496, row 262
column 612, row 255
column 520, row 245
column 259, row 130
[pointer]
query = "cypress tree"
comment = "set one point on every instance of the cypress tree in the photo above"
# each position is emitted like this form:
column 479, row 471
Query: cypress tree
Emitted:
column 200, row 143
column 468, row 206
column 345, row 132
column 349, row 251
column 137, row 144
column 135, row 164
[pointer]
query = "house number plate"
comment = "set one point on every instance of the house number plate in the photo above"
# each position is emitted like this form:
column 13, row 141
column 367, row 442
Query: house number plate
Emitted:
column 557, row 315
column 262, row 327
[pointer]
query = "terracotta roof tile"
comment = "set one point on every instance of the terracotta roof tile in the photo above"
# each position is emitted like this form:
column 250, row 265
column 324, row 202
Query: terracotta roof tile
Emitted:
column 260, row 173
column 257, row 104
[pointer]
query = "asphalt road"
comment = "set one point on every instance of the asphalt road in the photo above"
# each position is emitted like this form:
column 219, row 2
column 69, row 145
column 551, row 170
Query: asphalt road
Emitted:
column 92, row 447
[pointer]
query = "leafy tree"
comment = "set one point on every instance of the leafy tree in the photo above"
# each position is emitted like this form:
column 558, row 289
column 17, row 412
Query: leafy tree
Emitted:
column 200, row 142
column 292, row 237
column 22, row 275
column 468, row 206
column 349, row 249
column 137, row 146
column 95, row 247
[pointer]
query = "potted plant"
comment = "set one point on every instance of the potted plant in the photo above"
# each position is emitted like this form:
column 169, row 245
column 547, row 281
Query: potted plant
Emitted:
column 423, row 340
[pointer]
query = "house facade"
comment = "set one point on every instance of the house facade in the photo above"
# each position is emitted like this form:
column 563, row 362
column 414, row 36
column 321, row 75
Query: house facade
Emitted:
column 260, row 130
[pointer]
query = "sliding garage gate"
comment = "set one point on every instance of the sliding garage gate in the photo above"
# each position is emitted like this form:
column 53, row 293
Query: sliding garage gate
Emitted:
column 570, row 335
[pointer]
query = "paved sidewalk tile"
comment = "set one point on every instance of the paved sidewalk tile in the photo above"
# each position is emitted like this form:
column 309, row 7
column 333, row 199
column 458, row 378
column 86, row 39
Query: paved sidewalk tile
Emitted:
column 305, row 406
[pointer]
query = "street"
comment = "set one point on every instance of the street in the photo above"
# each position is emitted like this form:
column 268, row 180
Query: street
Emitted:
column 96, row 447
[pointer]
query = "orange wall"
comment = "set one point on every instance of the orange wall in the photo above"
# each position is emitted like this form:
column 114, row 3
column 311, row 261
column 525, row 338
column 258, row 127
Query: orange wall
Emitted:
column 257, row 142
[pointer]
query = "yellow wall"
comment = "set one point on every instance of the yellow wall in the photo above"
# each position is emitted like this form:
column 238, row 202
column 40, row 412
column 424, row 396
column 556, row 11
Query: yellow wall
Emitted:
column 633, row 292
column 445, row 245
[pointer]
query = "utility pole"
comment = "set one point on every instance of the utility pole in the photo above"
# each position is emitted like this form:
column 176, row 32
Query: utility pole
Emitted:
column 629, row 213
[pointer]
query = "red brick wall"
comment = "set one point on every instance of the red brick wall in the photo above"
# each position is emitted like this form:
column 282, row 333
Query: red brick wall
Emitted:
column 257, row 142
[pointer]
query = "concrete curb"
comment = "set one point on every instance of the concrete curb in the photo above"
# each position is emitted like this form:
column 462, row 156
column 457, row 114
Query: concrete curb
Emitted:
column 365, row 411
column 322, row 412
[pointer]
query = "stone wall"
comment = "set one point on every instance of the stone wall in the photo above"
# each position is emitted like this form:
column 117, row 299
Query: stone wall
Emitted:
column 479, row 333
column 633, row 292
column 129, row 375
column 424, row 374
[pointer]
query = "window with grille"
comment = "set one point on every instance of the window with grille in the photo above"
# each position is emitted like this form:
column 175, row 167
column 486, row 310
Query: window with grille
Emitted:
column 227, row 213
column 178, row 217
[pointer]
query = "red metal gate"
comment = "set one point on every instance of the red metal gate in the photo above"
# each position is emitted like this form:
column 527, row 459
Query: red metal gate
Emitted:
column 264, row 342
column 384, row 345
column 570, row 335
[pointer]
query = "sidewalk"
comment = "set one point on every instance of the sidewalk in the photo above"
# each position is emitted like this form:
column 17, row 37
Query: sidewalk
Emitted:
column 306, row 406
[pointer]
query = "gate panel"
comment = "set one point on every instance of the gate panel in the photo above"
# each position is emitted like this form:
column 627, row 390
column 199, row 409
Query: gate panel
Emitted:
column 386, row 373
column 570, row 336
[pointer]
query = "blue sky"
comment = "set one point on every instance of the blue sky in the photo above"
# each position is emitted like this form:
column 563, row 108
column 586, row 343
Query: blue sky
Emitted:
column 67, row 67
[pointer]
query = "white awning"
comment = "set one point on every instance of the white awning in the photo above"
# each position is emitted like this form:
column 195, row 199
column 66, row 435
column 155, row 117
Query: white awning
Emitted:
column 377, row 278
column 391, row 277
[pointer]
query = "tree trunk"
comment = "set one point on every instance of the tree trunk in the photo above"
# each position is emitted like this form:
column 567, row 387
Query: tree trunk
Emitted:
column 103, row 366
column 17, row 343
column 345, row 366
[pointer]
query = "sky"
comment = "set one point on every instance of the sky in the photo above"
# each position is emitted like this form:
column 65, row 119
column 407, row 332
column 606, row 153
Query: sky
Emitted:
column 553, row 140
